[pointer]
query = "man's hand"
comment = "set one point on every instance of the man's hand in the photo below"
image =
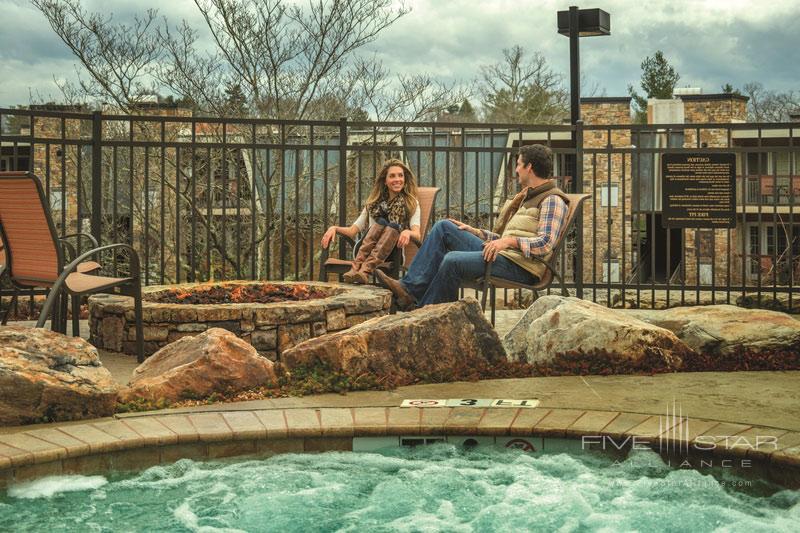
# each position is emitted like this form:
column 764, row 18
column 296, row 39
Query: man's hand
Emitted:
column 404, row 239
column 466, row 227
column 491, row 248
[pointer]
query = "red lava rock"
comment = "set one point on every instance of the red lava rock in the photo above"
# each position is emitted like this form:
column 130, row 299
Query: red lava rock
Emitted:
column 234, row 294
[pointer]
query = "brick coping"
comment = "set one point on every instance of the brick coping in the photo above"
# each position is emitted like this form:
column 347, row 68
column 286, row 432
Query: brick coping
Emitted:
column 135, row 442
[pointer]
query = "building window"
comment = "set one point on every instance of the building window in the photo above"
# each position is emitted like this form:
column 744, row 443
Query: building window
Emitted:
column 758, row 163
column 612, row 266
column 609, row 197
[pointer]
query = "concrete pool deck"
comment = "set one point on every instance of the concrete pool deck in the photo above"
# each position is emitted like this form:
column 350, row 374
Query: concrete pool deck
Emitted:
column 752, row 416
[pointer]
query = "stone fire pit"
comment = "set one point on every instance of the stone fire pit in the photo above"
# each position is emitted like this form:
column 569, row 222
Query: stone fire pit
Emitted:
column 270, row 327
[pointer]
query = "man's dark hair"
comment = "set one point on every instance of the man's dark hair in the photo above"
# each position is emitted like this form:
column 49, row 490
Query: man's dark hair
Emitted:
column 540, row 157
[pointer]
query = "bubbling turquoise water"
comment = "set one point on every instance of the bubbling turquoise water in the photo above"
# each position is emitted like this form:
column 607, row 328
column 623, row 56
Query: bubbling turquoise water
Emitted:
column 434, row 488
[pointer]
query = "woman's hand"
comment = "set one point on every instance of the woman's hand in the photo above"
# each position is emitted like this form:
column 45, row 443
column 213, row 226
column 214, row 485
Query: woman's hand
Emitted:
column 405, row 238
column 328, row 236
column 466, row 227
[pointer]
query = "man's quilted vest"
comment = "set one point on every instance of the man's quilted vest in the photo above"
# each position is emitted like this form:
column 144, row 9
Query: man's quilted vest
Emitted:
column 524, row 223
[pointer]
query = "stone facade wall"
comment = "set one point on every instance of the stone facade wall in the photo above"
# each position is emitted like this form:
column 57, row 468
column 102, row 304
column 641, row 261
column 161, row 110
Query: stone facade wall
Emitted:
column 598, row 218
column 596, row 175
column 700, row 109
column 270, row 328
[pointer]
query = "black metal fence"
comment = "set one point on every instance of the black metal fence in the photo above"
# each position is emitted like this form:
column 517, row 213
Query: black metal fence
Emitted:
column 225, row 198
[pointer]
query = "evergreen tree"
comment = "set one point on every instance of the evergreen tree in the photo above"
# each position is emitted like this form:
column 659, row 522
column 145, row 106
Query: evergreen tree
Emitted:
column 658, row 81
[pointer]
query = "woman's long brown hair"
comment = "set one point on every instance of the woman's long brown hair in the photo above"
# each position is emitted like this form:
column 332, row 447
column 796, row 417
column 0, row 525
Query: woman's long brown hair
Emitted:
column 409, row 191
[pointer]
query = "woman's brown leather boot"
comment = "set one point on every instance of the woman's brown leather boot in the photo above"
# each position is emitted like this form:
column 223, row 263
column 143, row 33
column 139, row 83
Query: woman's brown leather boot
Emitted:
column 379, row 254
column 367, row 244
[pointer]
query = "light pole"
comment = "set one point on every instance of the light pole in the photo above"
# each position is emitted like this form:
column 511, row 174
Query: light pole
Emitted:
column 577, row 23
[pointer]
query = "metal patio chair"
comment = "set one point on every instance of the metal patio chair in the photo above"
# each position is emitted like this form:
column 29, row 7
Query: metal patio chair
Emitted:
column 36, row 257
column 489, row 284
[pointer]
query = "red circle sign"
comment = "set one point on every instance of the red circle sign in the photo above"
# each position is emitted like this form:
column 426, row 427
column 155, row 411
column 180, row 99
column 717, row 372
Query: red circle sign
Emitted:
column 520, row 444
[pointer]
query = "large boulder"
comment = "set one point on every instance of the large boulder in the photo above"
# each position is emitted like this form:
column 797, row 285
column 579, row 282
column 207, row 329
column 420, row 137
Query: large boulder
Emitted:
column 47, row 376
column 726, row 329
column 566, row 335
column 195, row 367
column 436, row 343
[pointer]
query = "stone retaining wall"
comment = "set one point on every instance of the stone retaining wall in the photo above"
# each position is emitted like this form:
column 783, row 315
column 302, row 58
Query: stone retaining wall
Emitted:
column 270, row 328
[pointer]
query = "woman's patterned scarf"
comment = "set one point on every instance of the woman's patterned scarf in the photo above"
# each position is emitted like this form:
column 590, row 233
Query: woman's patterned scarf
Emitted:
column 393, row 210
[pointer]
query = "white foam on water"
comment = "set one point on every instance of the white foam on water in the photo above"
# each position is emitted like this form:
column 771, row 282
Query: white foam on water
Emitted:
column 187, row 518
column 436, row 489
column 47, row 487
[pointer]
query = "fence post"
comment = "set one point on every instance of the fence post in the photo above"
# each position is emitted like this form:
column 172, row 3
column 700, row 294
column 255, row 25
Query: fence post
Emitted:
column 97, row 168
column 578, row 184
column 342, row 178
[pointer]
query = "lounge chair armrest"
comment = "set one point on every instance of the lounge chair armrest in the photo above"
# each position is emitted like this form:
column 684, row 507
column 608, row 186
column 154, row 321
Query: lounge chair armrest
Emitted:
column 73, row 266
column 79, row 235
column 347, row 239
column 487, row 273
column 70, row 268
column 69, row 250
column 326, row 250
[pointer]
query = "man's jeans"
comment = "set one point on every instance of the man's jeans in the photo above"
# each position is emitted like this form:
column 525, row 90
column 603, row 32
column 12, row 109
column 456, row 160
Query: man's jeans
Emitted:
column 449, row 255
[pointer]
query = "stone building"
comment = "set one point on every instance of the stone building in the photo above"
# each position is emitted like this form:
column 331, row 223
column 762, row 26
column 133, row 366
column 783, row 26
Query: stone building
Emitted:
column 624, row 237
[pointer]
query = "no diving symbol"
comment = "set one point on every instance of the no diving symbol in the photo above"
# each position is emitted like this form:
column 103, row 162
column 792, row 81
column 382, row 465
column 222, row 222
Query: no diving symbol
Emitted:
column 422, row 403
column 520, row 444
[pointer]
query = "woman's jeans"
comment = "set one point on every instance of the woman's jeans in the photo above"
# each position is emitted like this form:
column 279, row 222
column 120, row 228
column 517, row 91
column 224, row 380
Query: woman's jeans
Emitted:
column 449, row 256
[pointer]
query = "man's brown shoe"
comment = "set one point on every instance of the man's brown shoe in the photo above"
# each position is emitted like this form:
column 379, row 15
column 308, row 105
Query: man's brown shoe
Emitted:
column 405, row 302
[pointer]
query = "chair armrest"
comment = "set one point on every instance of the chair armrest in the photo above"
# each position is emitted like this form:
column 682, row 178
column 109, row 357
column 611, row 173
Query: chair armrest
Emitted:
column 487, row 273
column 344, row 239
column 69, row 250
column 79, row 235
column 70, row 268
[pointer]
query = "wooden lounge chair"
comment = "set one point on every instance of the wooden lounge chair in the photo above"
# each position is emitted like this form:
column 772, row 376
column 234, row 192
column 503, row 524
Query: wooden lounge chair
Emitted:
column 489, row 284
column 399, row 258
column 36, row 257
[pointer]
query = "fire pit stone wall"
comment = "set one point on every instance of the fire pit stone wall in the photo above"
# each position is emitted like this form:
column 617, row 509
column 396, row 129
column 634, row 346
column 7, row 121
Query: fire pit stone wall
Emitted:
column 271, row 328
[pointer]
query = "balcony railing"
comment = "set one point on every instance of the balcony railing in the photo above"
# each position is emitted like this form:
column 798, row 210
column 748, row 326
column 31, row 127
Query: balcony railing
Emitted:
column 760, row 189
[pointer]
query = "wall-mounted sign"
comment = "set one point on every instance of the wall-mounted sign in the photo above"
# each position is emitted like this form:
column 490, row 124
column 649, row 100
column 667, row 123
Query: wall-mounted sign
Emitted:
column 698, row 190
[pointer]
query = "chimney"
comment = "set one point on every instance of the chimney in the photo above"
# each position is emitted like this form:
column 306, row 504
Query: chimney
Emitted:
column 686, row 91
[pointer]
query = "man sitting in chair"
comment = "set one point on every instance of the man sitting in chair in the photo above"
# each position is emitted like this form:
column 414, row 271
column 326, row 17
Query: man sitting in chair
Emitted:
column 528, row 226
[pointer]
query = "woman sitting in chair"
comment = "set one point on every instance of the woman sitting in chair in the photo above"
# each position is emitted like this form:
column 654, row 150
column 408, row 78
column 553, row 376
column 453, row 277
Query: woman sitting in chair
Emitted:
column 391, row 218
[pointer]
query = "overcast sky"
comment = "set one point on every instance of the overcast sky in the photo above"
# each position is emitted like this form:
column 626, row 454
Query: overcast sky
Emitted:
column 709, row 42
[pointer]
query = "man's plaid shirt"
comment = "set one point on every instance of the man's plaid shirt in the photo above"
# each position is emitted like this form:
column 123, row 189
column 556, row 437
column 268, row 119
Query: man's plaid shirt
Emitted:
column 552, row 213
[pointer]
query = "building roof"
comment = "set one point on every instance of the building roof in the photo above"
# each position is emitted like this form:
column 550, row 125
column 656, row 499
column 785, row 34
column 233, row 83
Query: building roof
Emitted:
column 606, row 100
column 718, row 96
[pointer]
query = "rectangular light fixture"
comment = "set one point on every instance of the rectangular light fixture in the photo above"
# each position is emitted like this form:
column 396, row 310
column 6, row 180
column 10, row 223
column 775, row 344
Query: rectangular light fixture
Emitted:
column 591, row 22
